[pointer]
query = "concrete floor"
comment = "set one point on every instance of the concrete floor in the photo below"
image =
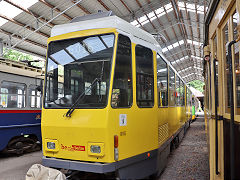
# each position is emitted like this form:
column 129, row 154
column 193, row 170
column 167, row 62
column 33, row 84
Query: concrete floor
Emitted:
column 190, row 160
column 15, row 168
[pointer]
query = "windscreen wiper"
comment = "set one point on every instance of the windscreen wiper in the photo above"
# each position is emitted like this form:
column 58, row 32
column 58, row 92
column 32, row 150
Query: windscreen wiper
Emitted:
column 73, row 107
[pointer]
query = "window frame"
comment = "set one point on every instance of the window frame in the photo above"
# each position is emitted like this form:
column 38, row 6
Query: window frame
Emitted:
column 29, row 95
column 167, row 66
column 171, row 69
column 44, row 96
column 25, row 104
column 153, row 86
column 131, row 55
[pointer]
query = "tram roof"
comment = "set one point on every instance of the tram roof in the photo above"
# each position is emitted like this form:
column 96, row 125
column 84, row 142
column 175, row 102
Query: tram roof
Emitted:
column 106, row 22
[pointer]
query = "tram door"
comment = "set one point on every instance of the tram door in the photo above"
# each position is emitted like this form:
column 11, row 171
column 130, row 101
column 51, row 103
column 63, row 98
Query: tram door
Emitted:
column 132, row 98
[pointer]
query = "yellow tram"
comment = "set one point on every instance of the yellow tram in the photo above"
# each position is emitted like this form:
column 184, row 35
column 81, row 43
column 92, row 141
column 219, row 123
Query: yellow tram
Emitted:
column 222, row 88
column 112, row 102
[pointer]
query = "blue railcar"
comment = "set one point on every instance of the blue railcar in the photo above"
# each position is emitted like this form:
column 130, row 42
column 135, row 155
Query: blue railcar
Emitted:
column 20, row 107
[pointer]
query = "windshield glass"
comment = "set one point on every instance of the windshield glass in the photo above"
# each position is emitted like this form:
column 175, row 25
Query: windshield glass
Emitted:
column 72, row 67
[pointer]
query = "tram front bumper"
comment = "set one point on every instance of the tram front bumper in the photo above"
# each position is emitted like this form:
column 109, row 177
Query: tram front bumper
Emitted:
column 79, row 166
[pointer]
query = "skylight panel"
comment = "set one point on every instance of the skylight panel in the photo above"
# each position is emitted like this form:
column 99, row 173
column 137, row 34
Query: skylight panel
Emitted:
column 161, row 14
column 168, row 6
column 169, row 10
column 182, row 8
column 196, row 57
column 200, row 8
column 159, row 10
column 170, row 47
column 134, row 22
column 154, row 17
column 181, row 42
column 175, row 45
column 194, row 42
column 2, row 21
column 189, row 41
column 200, row 12
column 191, row 10
column 145, row 22
column 164, row 50
column 143, row 18
column 151, row 14
column 181, row 4
column 9, row 10
column 190, row 6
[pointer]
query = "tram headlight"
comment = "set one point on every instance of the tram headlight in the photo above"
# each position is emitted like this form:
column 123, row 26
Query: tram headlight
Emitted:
column 95, row 149
column 51, row 145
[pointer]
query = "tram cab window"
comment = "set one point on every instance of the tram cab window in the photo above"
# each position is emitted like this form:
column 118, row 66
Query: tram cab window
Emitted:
column 79, row 70
column 13, row 95
column 162, row 81
column 122, row 84
column 34, row 97
column 172, row 92
column 144, row 76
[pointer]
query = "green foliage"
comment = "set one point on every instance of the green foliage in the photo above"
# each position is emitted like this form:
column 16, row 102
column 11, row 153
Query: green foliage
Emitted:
column 197, row 84
column 16, row 55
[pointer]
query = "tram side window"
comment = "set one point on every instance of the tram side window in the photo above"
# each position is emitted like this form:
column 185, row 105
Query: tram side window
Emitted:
column 122, row 84
column 182, row 92
column 162, row 81
column 215, row 64
column 144, row 73
column 227, row 73
column 172, row 92
column 236, row 59
column 206, row 90
column 34, row 97
column 178, row 93
column 13, row 95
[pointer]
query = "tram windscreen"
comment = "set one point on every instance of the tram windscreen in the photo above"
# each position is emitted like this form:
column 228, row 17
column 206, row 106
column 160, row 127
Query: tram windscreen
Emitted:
column 73, row 66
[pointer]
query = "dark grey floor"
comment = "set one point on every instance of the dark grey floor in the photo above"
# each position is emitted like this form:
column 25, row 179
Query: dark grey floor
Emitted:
column 15, row 168
column 190, row 160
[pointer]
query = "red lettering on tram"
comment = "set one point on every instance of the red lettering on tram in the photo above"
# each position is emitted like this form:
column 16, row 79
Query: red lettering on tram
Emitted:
column 73, row 148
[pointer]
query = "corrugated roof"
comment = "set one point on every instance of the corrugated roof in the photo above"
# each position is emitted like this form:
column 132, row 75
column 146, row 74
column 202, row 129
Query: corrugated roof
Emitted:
column 176, row 24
